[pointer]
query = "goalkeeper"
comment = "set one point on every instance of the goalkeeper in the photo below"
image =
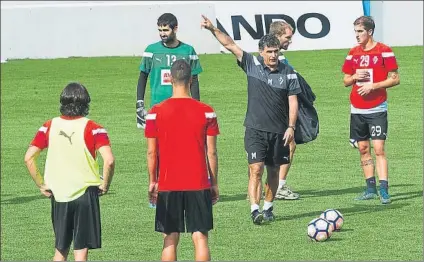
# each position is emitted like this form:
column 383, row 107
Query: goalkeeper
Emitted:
column 157, row 60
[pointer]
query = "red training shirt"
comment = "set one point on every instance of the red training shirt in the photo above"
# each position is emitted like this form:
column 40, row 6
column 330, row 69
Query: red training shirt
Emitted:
column 378, row 61
column 181, row 126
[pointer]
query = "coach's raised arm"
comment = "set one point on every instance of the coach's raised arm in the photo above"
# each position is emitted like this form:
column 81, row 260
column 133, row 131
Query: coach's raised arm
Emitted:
column 223, row 38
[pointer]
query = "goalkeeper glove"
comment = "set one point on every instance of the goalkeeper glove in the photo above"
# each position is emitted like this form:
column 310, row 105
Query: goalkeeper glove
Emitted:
column 141, row 114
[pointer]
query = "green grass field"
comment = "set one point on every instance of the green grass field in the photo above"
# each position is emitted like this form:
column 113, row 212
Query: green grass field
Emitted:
column 326, row 172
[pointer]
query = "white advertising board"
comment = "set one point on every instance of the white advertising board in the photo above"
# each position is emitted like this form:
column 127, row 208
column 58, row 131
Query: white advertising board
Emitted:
column 65, row 29
column 319, row 24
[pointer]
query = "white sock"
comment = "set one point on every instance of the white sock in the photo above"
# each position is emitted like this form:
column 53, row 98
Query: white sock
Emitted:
column 267, row 205
column 254, row 207
column 281, row 183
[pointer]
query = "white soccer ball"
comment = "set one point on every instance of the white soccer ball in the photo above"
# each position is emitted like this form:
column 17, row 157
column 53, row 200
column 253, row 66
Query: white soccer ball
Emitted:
column 319, row 229
column 334, row 217
column 353, row 143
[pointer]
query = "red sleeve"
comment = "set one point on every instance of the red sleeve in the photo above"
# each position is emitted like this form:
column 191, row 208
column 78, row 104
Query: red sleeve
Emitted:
column 95, row 136
column 348, row 65
column 212, row 128
column 151, row 128
column 41, row 139
column 389, row 59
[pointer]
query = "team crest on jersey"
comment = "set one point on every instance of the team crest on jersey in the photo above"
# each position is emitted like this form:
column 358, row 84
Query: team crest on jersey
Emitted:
column 375, row 60
column 165, row 77
column 281, row 80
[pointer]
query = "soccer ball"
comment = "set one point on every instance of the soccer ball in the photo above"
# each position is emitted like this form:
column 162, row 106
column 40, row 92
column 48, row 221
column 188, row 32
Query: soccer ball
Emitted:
column 319, row 229
column 334, row 217
column 353, row 143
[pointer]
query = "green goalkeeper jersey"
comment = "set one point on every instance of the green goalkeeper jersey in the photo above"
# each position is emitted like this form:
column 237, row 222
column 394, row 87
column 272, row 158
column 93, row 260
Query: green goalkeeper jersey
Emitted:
column 157, row 61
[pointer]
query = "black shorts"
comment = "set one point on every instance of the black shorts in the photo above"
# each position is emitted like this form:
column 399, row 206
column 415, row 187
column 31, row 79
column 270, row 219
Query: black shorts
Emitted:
column 184, row 211
column 266, row 147
column 366, row 126
column 78, row 221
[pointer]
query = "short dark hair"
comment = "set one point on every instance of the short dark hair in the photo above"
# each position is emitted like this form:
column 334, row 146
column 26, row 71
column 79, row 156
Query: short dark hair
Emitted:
column 366, row 21
column 168, row 19
column 74, row 100
column 268, row 41
column 181, row 71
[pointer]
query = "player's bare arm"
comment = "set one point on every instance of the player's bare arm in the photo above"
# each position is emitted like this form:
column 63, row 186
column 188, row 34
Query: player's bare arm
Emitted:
column 152, row 158
column 392, row 80
column 152, row 165
column 108, row 168
column 212, row 161
column 293, row 111
column 223, row 38
column 31, row 163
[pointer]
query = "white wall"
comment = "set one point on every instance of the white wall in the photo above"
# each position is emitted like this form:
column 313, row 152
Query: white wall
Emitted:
column 398, row 23
column 51, row 30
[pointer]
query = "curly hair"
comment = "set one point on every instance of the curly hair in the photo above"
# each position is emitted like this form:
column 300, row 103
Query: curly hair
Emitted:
column 268, row 41
column 74, row 100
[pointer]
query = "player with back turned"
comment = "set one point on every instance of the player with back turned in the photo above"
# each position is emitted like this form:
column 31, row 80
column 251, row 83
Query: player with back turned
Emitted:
column 182, row 129
column 71, row 173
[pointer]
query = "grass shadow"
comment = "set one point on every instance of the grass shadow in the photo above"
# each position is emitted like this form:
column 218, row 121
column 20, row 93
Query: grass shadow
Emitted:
column 237, row 197
column 356, row 209
column 331, row 239
column 406, row 196
column 27, row 199
column 344, row 230
column 22, row 200
column 325, row 193
column 351, row 190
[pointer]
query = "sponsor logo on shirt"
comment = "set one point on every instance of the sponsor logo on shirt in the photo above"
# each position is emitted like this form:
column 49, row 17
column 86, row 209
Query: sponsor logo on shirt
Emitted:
column 165, row 77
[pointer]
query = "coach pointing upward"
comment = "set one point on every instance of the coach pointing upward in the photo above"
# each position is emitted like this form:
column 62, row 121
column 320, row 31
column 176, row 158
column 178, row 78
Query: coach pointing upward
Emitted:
column 271, row 114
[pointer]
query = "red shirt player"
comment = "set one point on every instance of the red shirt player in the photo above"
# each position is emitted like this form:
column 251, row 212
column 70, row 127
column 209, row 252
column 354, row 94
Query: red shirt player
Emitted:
column 370, row 68
column 181, row 134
